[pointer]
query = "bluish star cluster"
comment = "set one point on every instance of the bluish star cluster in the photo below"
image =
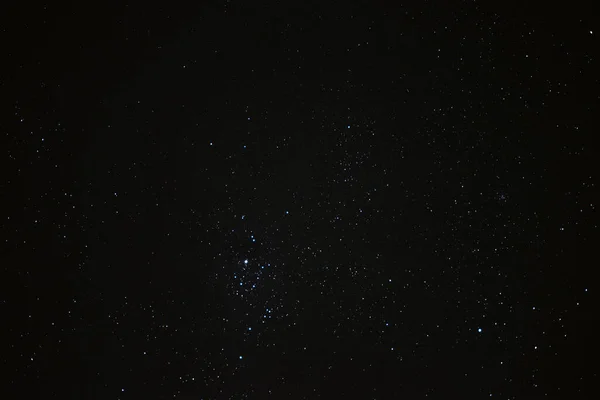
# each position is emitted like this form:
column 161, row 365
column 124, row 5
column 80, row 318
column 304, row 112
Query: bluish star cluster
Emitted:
column 277, row 200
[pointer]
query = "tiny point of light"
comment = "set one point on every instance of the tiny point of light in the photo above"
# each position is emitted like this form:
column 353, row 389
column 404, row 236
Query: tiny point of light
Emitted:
column 479, row 330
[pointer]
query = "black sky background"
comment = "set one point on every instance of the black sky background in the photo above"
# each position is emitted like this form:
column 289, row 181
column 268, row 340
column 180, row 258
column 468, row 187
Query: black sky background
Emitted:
column 410, row 174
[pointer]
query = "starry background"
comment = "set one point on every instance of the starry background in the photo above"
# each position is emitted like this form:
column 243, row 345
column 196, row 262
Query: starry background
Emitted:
column 302, row 200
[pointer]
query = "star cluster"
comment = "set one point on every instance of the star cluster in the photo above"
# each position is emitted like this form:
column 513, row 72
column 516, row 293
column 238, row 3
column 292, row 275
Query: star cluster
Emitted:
column 243, row 200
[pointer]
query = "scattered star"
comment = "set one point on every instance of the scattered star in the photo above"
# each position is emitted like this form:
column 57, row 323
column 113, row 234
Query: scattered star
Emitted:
column 411, row 172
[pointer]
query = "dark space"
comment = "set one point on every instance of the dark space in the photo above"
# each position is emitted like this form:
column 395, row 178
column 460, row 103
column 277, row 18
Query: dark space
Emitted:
column 299, row 200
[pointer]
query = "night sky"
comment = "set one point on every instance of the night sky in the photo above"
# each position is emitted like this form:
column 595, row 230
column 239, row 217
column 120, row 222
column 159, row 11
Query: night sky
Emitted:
column 336, row 200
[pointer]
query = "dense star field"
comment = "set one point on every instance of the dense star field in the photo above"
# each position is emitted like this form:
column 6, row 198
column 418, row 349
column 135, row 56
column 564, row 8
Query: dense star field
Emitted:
column 299, row 200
